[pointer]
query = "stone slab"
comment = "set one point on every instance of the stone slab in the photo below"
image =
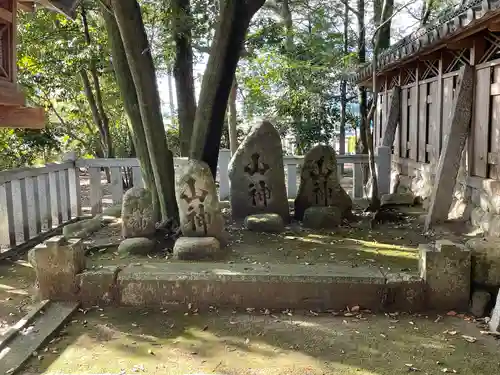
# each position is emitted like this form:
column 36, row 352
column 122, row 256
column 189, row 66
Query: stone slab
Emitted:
column 244, row 285
column 98, row 286
column 21, row 347
column 446, row 269
column 404, row 292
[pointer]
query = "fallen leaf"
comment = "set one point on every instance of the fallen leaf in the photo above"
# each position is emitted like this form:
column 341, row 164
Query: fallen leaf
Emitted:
column 313, row 313
column 469, row 338
column 438, row 319
column 151, row 352
column 247, row 341
column 205, row 328
column 451, row 333
column 382, row 335
column 250, row 309
column 355, row 309
column 349, row 314
column 451, row 313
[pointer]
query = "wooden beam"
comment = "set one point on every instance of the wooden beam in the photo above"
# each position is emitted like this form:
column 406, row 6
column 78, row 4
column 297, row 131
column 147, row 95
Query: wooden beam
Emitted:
column 10, row 96
column 26, row 6
column 451, row 154
column 6, row 15
column 22, row 117
column 494, row 26
column 461, row 44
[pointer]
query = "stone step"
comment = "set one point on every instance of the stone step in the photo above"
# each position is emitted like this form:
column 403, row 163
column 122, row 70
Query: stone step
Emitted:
column 276, row 286
column 23, row 339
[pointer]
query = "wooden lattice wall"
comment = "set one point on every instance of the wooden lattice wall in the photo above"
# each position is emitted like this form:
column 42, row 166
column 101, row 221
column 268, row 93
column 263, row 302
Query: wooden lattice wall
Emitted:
column 427, row 92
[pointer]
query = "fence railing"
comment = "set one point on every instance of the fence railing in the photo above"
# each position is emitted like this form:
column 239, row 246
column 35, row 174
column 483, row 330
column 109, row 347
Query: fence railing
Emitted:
column 35, row 200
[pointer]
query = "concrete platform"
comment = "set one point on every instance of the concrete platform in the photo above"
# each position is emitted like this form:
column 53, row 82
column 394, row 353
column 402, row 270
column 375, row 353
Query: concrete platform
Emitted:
column 175, row 285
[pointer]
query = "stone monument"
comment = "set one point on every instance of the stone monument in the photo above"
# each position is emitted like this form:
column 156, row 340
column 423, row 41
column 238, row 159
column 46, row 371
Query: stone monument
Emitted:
column 138, row 219
column 257, row 175
column 319, row 183
column 199, row 212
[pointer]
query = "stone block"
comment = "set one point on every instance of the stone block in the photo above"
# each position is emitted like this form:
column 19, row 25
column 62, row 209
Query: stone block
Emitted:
column 82, row 228
column 479, row 301
column 270, row 223
column 485, row 254
column 403, row 199
column 318, row 217
column 404, row 292
column 494, row 227
column 197, row 248
column 446, row 269
column 476, row 217
column 136, row 246
column 57, row 261
column 494, row 322
column 98, row 286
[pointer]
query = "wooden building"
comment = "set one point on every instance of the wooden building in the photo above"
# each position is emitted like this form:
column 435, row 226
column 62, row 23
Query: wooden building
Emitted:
column 424, row 68
column 13, row 110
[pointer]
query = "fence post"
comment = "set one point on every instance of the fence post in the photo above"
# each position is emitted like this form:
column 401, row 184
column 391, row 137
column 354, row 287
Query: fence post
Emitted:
column 291, row 170
column 74, row 186
column 224, row 158
column 357, row 181
column 384, row 169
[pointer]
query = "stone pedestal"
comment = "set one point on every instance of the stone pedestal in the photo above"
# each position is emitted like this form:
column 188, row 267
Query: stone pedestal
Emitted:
column 446, row 269
column 57, row 261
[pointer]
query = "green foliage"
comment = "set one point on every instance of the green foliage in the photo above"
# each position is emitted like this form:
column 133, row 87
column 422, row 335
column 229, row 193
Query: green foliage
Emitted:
column 298, row 87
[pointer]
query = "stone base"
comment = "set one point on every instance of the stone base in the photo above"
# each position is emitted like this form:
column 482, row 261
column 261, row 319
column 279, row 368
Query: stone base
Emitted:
column 271, row 223
column 57, row 261
column 197, row 248
column 244, row 285
column 446, row 269
column 322, row 218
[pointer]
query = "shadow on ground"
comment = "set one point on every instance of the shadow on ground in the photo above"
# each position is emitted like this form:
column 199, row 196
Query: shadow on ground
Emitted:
column 114, row 340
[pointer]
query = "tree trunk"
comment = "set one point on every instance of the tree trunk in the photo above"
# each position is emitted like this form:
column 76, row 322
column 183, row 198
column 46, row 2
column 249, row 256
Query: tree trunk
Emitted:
column 129, row 19
column 232, row 126
column 363, row 144
column 171, row 94
column 218, row 78
column 130, row 103
column 183, row 71
column 103, row 120
column 343, row 90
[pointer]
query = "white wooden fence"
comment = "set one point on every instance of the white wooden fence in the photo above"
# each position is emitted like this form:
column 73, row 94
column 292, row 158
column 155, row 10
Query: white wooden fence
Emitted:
column 36, row 200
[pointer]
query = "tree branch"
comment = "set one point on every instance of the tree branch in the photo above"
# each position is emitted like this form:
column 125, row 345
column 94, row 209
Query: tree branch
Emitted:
column 351, row 9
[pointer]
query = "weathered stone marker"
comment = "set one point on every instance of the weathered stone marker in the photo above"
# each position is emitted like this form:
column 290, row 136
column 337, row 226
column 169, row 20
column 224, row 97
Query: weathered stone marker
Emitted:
column 57, row 261
column 319, row 184
column 199, row 210
column 319, row 217
column 197, row 248
column 257, row 175
column 138, row 219
column 453, row 145
column 446, row 269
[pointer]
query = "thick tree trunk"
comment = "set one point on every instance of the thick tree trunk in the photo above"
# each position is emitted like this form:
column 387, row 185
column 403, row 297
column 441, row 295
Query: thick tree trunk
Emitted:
column 343, row 90
column 218, row 79
column 183, row 72
column 129, row 19
column 379, row 19
column 130, row 103
column 232, row 123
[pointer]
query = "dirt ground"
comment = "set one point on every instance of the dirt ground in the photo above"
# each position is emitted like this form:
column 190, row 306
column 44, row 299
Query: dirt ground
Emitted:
column 125, row 341
column 390, row 246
